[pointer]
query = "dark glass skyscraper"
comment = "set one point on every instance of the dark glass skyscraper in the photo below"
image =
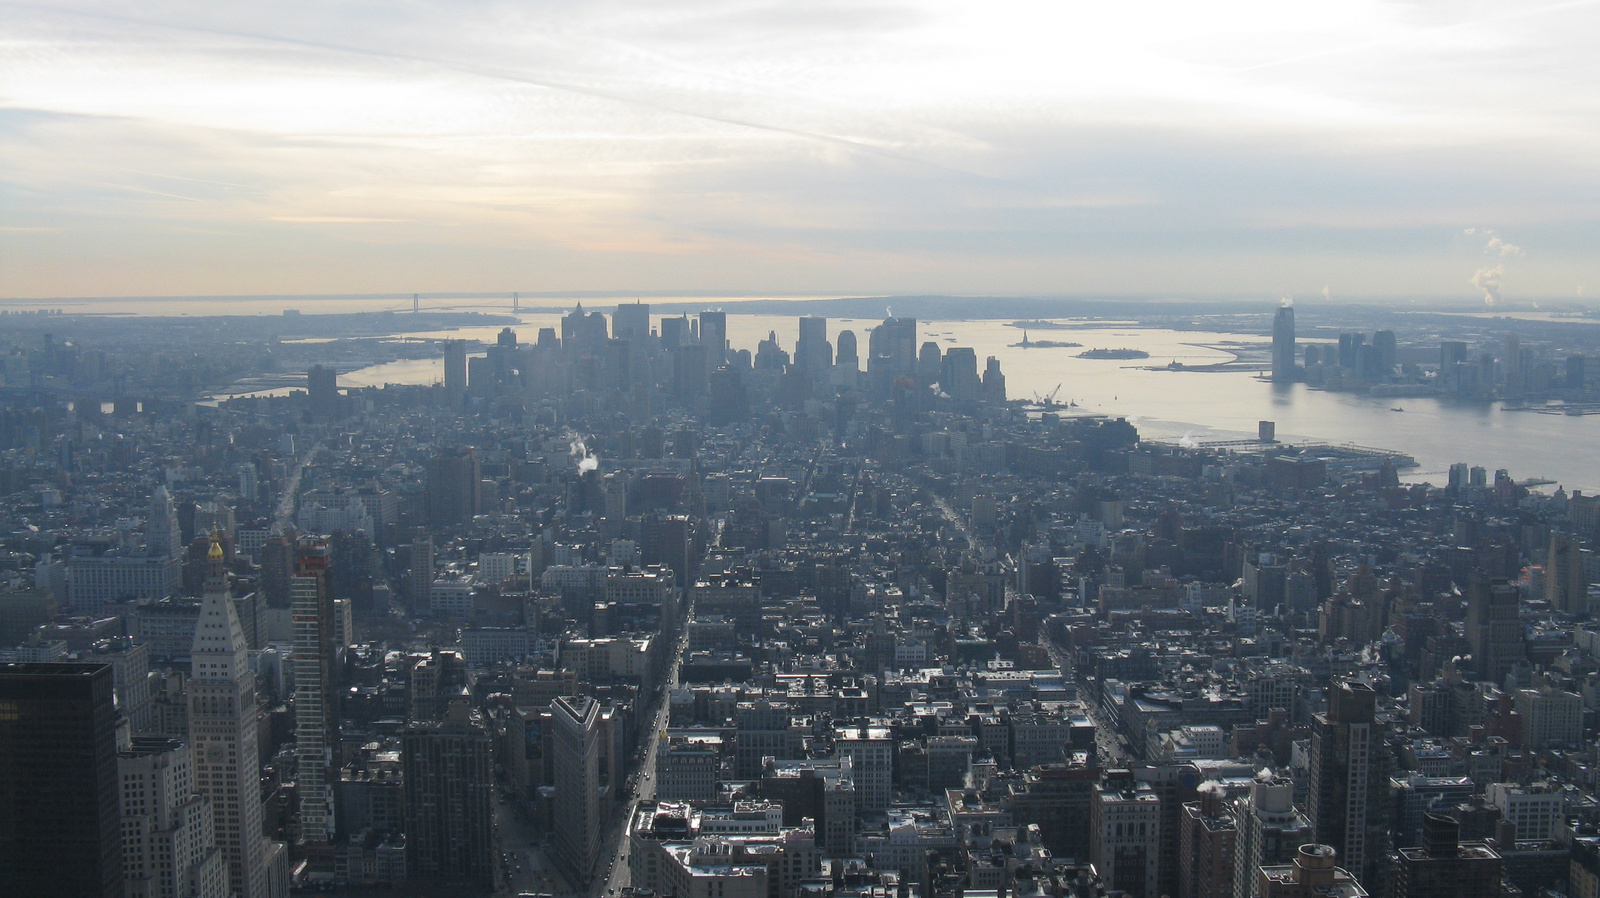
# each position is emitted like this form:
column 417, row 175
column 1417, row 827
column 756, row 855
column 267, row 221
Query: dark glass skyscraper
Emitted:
column 60, row 816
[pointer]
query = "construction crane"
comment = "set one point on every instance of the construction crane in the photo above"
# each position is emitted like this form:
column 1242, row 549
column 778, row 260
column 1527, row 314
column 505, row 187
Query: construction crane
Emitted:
column 1049, row 399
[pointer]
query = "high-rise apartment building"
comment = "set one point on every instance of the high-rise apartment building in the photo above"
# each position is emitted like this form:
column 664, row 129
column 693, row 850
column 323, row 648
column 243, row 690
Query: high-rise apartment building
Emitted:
column 1207, row 841
column 59, row 820
column 1270, row 828
column 1348, row 797
column 578, row 784
column 168, row 837
column 311, row 614
column 223, row 727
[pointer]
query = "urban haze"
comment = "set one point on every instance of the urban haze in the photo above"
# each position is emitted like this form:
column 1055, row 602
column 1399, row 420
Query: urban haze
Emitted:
column 715, row 449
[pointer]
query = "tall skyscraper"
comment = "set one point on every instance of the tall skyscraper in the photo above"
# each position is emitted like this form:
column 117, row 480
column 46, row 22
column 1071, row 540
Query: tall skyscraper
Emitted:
column 59, row 817
column 419, row 578
column 452, row 487
column 690, row 372
column 223, row 724
column 578, row 788
column 162, row 535
column 312, row 615
column 1350, row 349
column 812, row 353
column 714, row 337
column 1566, row 580
column 1385, row 353
column 674, row 332
column 1283, row 369
column 1493, row 628
column 168, row 836
column 1349, row 782
column 449, row 799
column 847, row 357
column 994, row 381
column 958, row 373
column 892, row 346
column 455, row 372
column 322, row 391
column 583, row 333
column 631, row 321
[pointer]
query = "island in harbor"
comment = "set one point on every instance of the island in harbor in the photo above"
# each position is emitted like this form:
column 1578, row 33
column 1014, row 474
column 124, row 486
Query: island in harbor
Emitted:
column 1113, row 354
column 1039, row 324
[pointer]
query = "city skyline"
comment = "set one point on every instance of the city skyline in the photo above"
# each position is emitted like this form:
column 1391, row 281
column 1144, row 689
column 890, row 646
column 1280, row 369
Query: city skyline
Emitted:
column 1371, row 150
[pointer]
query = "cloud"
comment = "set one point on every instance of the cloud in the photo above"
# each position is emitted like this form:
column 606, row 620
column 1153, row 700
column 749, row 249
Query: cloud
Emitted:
column 875, row 146
column 1496, row 245
column 335, row 219
column 1488, row 280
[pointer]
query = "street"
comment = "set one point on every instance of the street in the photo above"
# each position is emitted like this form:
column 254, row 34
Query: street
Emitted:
column 616, row 876
column 528, row 869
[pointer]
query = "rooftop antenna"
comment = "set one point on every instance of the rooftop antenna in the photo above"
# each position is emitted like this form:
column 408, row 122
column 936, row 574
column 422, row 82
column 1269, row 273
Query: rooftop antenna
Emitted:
column 416, row 304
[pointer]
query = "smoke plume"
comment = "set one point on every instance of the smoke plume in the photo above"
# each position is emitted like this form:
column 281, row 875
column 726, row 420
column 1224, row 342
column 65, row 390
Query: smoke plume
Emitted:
column 579, row 450
column 1488, row 280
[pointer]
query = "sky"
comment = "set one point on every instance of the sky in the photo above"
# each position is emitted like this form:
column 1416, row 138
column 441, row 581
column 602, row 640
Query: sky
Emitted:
column 1359, row 148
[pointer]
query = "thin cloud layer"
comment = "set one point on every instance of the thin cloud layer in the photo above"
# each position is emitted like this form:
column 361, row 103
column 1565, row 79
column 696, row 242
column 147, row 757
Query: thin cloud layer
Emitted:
column 854, row 147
